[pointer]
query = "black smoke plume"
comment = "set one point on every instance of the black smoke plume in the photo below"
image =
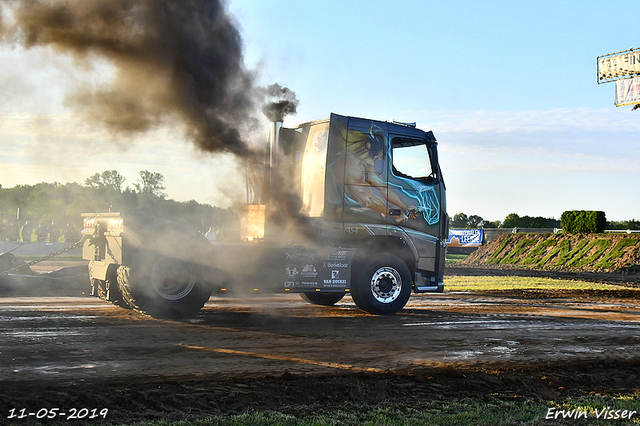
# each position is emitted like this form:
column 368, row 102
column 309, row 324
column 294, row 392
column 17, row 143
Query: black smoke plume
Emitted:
column 281, row 102
column 173, row 59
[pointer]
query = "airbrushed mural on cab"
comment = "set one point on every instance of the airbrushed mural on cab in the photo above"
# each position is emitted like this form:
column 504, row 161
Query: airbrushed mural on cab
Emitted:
column 361, row 180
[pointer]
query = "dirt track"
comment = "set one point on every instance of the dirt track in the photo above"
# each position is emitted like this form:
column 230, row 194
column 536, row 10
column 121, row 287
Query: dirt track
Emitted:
column 278, row 351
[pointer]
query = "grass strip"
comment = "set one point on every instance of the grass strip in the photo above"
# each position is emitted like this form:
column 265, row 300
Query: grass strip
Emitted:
column 592, row 410
column 482, row 283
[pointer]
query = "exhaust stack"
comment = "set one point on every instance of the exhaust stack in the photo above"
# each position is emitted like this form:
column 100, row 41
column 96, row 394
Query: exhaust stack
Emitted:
column 253, row 215
column 272, row 158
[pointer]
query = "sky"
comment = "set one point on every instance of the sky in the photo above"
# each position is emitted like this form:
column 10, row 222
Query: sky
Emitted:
column 509, row 89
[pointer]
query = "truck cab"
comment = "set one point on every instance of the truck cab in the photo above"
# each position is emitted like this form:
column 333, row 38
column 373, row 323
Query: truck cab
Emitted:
column 372, row 187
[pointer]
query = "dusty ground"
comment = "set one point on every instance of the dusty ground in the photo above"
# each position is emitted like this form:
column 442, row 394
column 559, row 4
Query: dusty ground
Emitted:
column 277, row 352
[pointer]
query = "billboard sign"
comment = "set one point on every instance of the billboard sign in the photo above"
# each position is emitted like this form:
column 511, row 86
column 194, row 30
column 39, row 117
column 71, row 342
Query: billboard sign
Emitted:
column 615, row 66
column 464, row 238
column 628, row 91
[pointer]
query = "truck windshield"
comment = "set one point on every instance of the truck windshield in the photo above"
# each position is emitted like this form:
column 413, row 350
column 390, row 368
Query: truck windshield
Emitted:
column 411, row 159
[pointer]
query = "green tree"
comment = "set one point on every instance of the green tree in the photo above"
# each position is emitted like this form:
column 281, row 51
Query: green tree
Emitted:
column 44, row 202
column 109, row 179
column 459, row 220
column 511, row 221
column 514, row 221
column 151, row 183
column 462, row 221
column 491, row 224
column 625, row 224
column 475, row 221
column 112, row 180
column 94, row 181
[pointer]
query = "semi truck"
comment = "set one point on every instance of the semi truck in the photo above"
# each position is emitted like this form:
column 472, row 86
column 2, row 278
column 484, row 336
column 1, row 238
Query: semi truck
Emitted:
column 342, row 206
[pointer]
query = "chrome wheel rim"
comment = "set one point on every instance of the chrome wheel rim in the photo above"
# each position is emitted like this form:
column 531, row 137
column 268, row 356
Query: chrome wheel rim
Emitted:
column 386, row 285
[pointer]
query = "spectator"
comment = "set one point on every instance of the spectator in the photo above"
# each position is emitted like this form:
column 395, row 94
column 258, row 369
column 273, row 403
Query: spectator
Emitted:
column 71, row 233
column 41, row 233
column 54, row 232
column 211, row 235
column 26, row 231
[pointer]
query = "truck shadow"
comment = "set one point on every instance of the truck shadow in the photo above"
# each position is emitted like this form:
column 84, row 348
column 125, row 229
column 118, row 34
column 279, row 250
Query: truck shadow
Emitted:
column 310, row 319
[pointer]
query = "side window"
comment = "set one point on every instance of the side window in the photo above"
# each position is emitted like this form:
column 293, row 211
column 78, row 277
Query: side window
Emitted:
column 410, row 159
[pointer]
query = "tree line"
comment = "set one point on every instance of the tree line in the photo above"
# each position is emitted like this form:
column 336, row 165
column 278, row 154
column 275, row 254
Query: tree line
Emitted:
column 513, row 220
column 58, row 207
column 52, row 211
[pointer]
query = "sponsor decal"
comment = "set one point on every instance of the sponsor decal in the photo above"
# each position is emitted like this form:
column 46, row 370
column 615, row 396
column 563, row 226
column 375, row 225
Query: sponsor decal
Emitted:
column 335, row 280
column 309, row 271
column 338, row 255
column 301, row 284
column 310, row 256
column 328, row 269
column 465, row 238
column 291, row 270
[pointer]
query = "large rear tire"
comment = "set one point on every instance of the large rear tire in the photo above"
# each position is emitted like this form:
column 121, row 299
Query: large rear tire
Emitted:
column 99, row 288
column 109, row 290
column 381, row 283
column 323, row 298
column 165, row 270
column 164, row 287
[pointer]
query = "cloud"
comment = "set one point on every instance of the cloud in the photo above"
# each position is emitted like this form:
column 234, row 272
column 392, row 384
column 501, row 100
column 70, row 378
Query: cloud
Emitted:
column 610, row 119
column 538, row 162
column 592, row 138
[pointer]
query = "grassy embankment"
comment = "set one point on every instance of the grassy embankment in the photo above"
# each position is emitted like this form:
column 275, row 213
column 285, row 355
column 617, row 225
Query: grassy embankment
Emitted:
column 482, row 283
column 560, row 252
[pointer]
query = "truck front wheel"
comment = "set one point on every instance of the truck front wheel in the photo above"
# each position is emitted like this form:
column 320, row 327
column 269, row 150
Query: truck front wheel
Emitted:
column 323, row 298
column 381, row 284
column 167, row 287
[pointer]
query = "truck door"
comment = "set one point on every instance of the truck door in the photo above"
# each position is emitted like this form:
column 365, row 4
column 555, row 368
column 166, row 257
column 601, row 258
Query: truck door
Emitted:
column 413, row 186
column 414, row 195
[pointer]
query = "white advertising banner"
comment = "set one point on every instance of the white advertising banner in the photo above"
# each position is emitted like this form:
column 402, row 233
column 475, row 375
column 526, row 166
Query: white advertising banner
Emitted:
column 628, row 91
column 465, row 238
column 614, row 66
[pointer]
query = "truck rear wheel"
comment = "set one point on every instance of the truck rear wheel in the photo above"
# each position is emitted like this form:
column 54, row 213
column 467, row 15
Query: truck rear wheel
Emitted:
column 381, row 284
column 109, row 290
column 323, row 298
column 164, row 286
column 99, row 288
